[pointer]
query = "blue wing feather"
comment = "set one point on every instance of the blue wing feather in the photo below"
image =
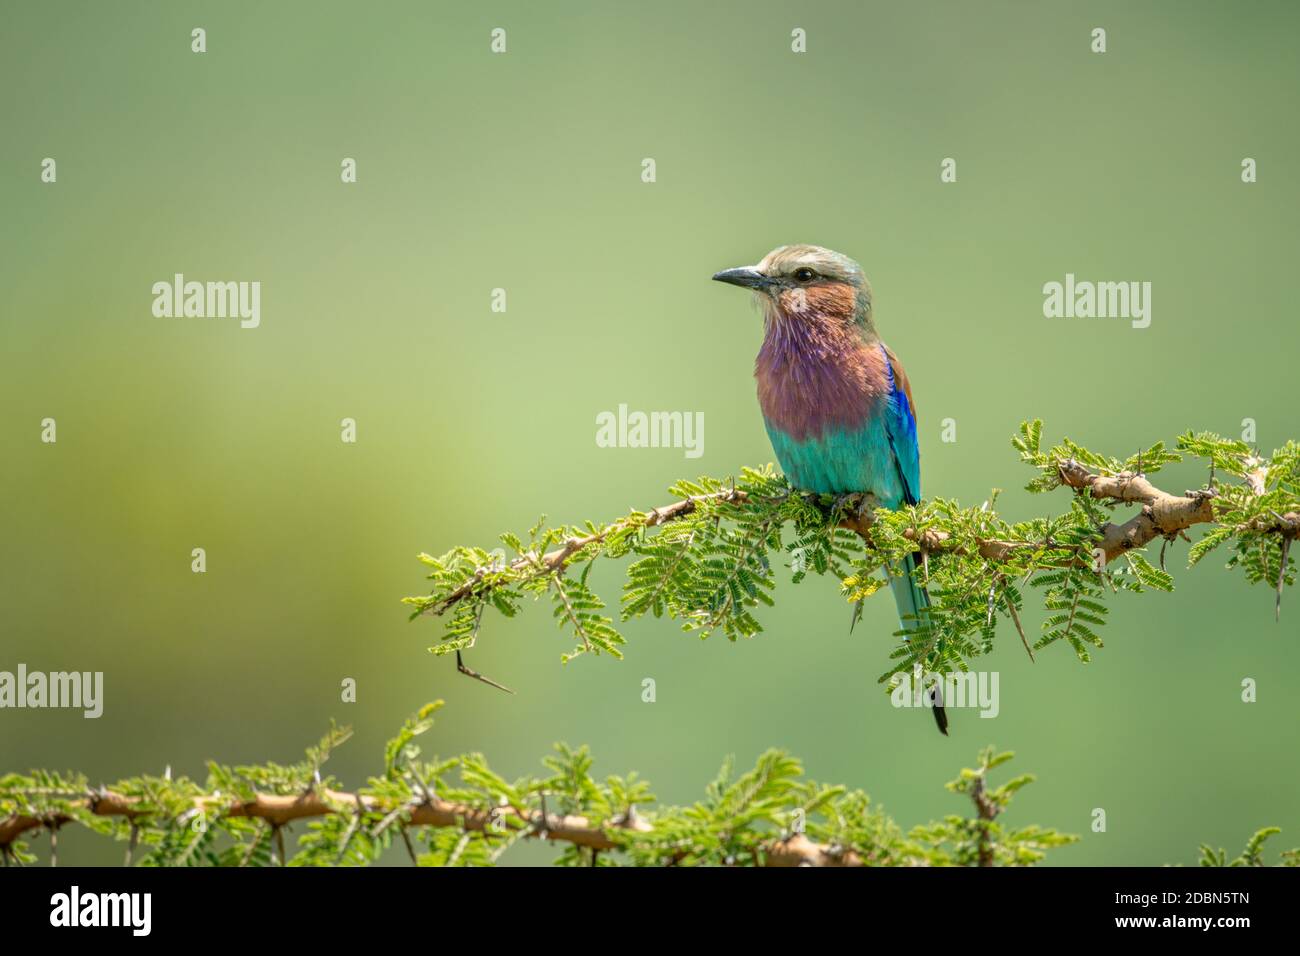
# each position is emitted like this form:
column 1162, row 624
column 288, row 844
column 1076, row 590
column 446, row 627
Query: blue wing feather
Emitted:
column 900, row 423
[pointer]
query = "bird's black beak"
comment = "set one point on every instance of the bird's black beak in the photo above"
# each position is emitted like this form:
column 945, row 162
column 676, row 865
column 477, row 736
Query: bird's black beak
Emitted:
column 744, row 276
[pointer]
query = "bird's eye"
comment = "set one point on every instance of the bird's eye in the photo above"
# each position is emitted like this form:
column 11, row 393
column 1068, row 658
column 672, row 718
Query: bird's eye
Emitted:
column 804, row 275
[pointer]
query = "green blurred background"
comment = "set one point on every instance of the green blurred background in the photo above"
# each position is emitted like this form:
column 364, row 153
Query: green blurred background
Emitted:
column 522, row 171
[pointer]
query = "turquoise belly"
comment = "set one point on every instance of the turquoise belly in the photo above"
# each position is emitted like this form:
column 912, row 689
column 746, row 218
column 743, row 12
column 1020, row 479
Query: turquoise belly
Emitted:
column 841, row 461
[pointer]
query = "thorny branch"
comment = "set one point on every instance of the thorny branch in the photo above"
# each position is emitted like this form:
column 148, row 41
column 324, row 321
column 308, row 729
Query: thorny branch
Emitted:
column 1162, row 515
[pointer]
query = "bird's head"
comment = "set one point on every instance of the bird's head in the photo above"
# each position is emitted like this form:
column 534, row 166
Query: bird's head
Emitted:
column 807, row 284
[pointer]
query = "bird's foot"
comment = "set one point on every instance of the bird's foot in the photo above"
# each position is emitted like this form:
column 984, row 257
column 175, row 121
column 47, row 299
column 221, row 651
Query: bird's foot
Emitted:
column 854, row 510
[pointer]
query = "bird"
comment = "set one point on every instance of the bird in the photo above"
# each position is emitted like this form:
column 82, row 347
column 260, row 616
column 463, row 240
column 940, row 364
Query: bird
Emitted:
column 835, row 399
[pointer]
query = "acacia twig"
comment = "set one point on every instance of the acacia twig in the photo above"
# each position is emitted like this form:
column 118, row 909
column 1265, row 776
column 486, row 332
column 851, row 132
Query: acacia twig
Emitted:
column 278, row 810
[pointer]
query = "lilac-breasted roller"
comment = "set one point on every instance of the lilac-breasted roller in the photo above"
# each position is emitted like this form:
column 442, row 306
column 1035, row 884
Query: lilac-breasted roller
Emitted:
column 836, row 401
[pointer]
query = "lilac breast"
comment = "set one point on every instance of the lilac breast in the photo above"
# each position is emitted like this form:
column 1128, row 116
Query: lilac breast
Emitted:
column 815, row 376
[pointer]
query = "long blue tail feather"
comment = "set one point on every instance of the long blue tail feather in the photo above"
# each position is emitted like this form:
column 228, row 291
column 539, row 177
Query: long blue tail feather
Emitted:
column 912, row 600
